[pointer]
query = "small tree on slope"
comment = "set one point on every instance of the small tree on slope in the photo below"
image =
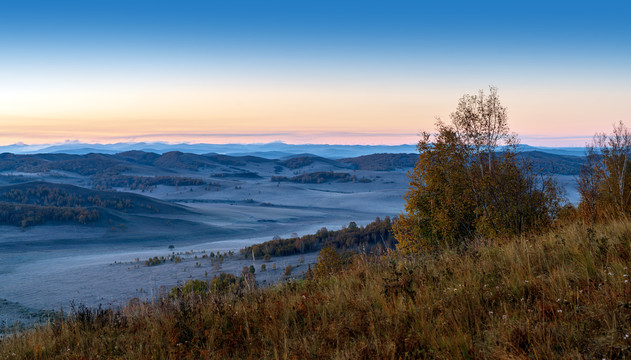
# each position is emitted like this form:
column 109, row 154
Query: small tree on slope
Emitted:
column 468, row 182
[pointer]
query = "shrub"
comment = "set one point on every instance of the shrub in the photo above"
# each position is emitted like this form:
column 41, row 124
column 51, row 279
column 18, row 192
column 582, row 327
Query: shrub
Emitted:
column 190, row 287
column 222, row 283
column 329, row 262
column 154, row 261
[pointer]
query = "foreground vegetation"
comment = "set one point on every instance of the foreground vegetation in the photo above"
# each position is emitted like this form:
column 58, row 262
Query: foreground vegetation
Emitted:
column 564, row 294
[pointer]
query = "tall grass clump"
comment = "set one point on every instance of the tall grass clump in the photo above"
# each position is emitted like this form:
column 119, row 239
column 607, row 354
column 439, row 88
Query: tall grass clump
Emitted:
column 563, row 294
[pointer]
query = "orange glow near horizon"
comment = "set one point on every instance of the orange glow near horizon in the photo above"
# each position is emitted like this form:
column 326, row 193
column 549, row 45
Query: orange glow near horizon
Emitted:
column 242, row 114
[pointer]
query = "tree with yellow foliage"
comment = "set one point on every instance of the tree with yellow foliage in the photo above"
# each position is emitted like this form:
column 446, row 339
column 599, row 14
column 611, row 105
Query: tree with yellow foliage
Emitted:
column 468, row 182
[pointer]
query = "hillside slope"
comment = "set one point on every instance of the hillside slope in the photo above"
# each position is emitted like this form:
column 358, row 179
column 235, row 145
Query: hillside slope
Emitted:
column 40, row 202
column 560, row 295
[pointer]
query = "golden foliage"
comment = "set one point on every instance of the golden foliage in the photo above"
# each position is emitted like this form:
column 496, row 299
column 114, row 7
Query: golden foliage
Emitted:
column 465, row 186
column 329, row 262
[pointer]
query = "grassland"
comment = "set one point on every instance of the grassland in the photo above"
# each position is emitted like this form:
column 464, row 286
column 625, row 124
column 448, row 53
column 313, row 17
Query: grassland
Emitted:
column 564, row 294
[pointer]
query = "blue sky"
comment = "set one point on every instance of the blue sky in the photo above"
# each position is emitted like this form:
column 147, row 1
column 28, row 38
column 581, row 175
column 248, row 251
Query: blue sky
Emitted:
column 310, row 68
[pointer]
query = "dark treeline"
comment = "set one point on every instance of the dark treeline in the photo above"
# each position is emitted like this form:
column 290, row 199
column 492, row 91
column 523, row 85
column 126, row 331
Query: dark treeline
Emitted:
column 544, row 163
column 376, row 234
column 72, row 202
column 320, row 177
column 297, row 162
column 28, row 215
column 42, row 195
column 143, row 182
column 241, row 174
column 383, row 162
column 86, row 165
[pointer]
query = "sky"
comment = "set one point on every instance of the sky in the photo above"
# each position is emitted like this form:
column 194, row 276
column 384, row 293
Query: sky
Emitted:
column 338, row 72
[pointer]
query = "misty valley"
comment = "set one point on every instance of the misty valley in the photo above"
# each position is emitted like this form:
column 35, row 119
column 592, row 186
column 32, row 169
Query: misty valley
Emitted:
column 101, row 229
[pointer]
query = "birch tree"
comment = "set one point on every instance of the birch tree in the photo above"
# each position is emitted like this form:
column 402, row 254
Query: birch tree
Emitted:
column 468, row 182
column 605, row 180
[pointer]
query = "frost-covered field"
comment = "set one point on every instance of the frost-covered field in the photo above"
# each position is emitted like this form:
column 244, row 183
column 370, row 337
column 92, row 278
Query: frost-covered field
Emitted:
column 47, row 267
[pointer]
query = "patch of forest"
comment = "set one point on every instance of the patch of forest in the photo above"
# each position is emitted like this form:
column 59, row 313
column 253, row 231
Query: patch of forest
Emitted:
column 382, row 162
column 376, row 234
column 44, row 195
column 137, row 156
column 297, row 162
column 143, row 182
column 180, row 160
column 63, row 195
column 36, row 203
column 242, row 174
column 320, row 177
column 236, row 160
column 25, row 215
column 542, row 162
column 86, row 165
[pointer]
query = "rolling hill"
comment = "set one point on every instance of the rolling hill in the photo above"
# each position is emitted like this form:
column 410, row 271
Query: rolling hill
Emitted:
column 39, row 202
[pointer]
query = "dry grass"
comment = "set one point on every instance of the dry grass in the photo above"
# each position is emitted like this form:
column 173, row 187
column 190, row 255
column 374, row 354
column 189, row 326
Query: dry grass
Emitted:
column 566, row 294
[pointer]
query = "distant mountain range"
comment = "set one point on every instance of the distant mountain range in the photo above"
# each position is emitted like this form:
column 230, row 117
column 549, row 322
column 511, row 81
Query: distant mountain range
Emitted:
column 273, row 150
